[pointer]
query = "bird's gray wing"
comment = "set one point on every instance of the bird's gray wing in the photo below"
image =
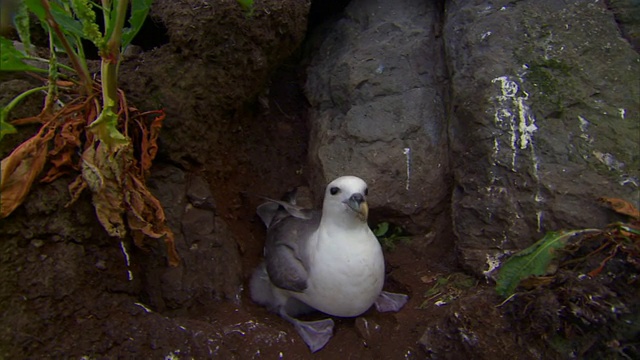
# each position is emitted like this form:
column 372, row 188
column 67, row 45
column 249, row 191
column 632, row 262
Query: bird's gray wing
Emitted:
column 286, row 263
column 275, row 210
column 268, row 212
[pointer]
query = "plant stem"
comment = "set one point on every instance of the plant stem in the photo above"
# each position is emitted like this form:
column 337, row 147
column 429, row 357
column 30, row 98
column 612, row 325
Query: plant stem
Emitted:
column 63, row 66
column 111, row 56
column 83, row 73
column 16, row 100
column 52, row 93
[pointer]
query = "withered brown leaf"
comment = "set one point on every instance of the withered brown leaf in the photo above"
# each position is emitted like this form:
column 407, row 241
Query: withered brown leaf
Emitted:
column 622, row 207
column 20, row 169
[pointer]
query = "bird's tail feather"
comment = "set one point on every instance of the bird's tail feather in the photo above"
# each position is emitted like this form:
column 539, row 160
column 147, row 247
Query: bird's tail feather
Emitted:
column 264, row 293
column 261, row 289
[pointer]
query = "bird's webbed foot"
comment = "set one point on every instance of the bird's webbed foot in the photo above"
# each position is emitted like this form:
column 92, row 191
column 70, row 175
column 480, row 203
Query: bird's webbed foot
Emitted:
column 316, row 334
column 387, row 301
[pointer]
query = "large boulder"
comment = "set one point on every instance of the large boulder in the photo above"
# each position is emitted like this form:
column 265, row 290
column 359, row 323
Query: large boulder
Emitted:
column 375, row 85
column 545, row 120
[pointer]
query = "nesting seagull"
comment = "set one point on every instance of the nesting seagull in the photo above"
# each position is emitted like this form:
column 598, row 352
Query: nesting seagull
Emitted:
column 325, row 260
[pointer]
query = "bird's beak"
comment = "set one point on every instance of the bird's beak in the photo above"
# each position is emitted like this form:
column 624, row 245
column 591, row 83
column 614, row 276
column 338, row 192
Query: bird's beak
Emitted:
column 358, row 204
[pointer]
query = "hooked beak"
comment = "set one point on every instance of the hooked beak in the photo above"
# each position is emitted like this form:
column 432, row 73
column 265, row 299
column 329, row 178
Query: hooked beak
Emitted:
column 358, row 204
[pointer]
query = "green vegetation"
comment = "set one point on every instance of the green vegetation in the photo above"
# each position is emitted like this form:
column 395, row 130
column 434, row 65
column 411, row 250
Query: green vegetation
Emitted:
column 86, row 124
column 536, row 260
column 389, row 235
column 544, row 75
column 529, row 266
column 448, row 288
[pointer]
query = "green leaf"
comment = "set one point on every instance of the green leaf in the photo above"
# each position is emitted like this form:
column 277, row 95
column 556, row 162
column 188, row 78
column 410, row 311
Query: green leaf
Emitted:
column 35, row 6
column 381, row 229
column 247, row 5
column 105, row 127
column 66, row 21
column 71, row 28
column 11, row 59
column 534, row 260
column 139, row 11
column 5, row 127
column 21, row 21
column 109, row 15
column 627, row 228
column 68, row 24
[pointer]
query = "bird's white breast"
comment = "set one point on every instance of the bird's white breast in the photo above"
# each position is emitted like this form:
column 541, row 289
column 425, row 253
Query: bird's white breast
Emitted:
column 346, row 272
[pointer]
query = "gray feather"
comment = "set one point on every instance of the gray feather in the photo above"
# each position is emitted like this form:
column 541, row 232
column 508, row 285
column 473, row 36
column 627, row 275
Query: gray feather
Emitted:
column 284, row 251
column 261, row 289
column 275, row 210
column 268, row 212
column 262, row 292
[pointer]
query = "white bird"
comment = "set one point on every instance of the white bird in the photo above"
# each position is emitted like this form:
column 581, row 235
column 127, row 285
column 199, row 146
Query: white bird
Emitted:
column 328, row 261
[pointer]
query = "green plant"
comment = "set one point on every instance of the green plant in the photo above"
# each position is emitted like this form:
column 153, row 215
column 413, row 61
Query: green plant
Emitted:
column 448, row 288
column 94, row 119
column 586, row 295
column 389, row 235
column 534, row 260
column 537, row 260
column 116, row 143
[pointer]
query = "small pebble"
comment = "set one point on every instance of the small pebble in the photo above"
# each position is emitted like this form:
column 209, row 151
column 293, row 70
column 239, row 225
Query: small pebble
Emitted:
column 37, row 243
column 101, row 265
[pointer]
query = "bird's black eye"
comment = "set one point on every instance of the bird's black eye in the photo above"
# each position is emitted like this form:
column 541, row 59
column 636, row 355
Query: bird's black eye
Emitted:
column 366, row 191
column 334, row 190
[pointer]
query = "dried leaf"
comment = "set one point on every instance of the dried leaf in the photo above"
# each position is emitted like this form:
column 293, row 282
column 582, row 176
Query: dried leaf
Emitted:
column 66, row 144
column 598, row 270
column 75, row 189
column 42, row 118
column 172, row 254
column 28, row 120
column 150, row 142
column 622, row 207
column 19, row 171
column 146, row 215
column 536, row 281
column 63, row 83
column 100, row 170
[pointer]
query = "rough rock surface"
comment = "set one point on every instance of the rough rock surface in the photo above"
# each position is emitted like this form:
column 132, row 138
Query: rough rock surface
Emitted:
column 375, row 84
column 545, row 119
column 210, row 269
column 627, row 14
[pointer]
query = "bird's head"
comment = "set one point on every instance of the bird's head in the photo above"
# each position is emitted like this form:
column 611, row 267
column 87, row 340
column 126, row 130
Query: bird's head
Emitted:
column 346, row 197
